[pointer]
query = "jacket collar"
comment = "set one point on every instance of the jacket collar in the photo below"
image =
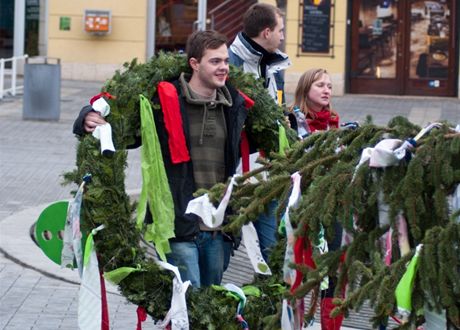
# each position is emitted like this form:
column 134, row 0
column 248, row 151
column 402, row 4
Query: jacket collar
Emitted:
column 222, row 94
column 244, row 48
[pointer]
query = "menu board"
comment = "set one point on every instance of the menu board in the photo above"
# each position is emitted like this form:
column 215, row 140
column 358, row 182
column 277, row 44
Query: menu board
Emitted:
column 316, row 25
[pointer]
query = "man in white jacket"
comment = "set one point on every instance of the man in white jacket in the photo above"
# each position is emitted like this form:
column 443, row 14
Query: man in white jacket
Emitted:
column 255, row 49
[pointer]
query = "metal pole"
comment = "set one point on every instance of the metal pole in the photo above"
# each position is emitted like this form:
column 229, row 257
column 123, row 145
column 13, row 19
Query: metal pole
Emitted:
column 14, row 67
column 44, row 17
column 19, row 27
column 202, row 13
column 2, row 75
column 151, row 27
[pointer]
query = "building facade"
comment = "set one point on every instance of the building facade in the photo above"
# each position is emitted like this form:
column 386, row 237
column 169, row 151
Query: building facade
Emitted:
column 390, row 47
column 377, row 46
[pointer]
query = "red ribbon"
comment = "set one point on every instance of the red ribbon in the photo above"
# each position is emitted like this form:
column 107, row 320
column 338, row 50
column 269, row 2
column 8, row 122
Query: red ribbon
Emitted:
column 141, row 317
column 244, row 147
column 248, row 102
column 303, row 255
column 105, row 310
column 170, row 106
column 98, row 96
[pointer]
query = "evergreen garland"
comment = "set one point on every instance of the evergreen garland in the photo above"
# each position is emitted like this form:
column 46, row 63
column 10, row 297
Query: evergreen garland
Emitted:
column 418, row 188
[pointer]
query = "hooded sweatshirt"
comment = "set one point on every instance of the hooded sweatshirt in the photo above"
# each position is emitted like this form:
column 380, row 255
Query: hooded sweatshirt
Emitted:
column 208, row 133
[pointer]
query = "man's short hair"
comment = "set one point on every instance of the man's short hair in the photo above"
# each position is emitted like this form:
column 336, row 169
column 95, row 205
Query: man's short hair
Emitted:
column 259, row 17
column 199, row 41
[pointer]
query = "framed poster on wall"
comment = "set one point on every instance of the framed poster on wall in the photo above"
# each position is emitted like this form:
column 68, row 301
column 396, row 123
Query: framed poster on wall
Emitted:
column 316, row 27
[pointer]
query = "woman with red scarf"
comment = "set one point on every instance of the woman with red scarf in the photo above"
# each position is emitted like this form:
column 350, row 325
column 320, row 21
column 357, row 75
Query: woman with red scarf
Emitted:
column 313, row 113
column 312, row 99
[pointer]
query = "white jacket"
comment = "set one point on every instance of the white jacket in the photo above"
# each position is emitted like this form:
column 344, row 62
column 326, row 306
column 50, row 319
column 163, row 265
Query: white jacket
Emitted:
column 242, row 54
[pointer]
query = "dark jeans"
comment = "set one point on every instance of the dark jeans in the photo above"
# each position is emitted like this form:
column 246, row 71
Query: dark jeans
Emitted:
column 200, row 261
column 334, row 245
column 266, row 228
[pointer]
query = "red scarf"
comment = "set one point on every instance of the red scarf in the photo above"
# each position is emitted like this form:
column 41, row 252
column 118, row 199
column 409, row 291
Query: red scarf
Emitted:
column 323, row 121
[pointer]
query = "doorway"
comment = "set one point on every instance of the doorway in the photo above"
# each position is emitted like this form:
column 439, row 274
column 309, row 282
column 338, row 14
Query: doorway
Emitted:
column 404, row 47
column 6, row 28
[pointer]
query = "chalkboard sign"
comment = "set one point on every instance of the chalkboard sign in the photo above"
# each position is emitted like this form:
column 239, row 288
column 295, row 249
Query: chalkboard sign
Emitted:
column 315, row 26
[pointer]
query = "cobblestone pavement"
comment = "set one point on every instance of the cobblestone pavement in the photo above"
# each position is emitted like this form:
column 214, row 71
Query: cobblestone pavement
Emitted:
column 33, row 156
column 35, row 293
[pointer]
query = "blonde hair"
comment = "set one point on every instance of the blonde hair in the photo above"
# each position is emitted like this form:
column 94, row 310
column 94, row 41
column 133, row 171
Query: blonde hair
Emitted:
column 303, row 88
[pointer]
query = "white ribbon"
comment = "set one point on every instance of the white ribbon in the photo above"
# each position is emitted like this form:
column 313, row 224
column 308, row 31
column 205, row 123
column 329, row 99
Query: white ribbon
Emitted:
column 101, row 106
column 233, row 288
column 384, row 210
column 382, row 154
column 251, row 242
column 287, row 316
column 89, row 296
column 253, row 164
column 454, row 202
column 177, row 314
column 403, row 238
column 71, row 245
column 388, row 246
column 426, row 129
column 202, row 207
column 103, row 132
column 389, row 152
column 289, row 274
column 323, row 248
column 384, row 220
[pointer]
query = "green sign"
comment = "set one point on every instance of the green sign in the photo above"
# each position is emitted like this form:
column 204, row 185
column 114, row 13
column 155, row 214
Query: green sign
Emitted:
column 64, row 23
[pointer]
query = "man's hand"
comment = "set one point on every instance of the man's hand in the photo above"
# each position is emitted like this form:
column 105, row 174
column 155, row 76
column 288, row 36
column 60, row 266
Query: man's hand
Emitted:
column 92, row 120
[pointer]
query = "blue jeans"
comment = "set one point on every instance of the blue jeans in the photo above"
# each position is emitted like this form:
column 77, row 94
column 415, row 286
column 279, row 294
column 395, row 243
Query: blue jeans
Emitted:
column 266, row 228
column 200, row 261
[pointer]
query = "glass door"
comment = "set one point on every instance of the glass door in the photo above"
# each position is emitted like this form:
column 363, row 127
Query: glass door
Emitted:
column 6, row 28
column 174, row 23
column 376, row 47
column 431, row 53
column 404, row 47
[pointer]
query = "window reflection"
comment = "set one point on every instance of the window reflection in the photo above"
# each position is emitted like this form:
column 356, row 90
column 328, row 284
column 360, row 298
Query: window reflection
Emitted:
column 429, row 39
column 377, row 39
column 174, row 23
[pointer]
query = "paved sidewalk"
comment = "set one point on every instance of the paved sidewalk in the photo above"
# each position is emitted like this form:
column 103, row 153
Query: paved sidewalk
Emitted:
column 37, row 294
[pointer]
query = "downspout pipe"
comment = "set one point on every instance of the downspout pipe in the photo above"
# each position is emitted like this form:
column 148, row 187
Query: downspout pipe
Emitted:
column 202, row 13
column 151, row 27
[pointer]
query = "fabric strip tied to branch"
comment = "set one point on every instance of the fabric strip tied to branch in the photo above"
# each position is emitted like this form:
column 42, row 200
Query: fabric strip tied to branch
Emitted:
column 155, row 187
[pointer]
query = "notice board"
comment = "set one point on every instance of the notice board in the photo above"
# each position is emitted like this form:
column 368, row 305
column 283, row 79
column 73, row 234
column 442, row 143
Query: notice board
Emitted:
column 316, row 25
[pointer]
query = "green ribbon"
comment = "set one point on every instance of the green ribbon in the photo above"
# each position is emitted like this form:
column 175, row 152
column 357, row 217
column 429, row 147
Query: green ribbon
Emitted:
column 282, row 226
column 89, row 245
column 88, row 249
column 282, row 140
column 155, row 186
column 403, row 291
column 117, row 275
column 249, row 290
column 280, row 289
